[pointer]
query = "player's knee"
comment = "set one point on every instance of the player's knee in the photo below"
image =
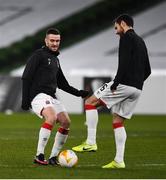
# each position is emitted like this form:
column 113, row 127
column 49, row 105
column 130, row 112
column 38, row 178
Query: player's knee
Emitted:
column 65, row 123
column 92, row 102
column 88, row 102
column 49, row 115
column 118, row 119
column 51, row 118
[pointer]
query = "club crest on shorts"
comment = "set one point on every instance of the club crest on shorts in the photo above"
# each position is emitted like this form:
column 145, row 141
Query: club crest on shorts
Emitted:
column 98, row 92
column 48, row 102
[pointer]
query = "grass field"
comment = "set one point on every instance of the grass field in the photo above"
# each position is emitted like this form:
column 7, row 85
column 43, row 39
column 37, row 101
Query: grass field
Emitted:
column 145, row 149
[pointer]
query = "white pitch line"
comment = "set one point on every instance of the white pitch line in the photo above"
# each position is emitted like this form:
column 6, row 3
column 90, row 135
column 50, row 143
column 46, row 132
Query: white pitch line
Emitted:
column 89, row 165
column 154, row 164
column 16, row 166
column 130, row 135
column 94, row 165
column 79, row 166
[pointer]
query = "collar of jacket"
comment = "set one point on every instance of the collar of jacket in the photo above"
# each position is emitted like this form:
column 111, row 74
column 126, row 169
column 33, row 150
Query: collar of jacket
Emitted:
column 130, row 30
column 56, row 53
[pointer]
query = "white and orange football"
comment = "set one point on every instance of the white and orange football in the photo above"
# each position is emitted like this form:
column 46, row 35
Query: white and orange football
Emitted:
column 68, row 158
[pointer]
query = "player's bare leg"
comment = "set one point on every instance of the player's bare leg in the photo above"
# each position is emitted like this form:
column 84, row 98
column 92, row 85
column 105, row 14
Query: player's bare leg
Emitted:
column 60, row 137
column 120, row 139
column 44, row 134
column 90, row 145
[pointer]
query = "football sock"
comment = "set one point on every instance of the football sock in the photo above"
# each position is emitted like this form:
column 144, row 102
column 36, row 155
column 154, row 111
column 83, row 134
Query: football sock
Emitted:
column 91, row 122
column 120, row 139
column 44, row 135
column 60, row 138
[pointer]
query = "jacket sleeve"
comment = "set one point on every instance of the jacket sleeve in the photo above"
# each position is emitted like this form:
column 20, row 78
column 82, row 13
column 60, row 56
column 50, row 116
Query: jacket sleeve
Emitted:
column 25, row 95
column 64, row 85
column 27, row 78
column 147, row 70
column 125, row 48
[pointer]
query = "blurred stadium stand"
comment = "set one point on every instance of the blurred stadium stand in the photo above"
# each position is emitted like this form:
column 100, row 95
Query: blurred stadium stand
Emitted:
column 86, row 56
column 83, row 23
column 96, row 56
column 10, row 94
column 99, row 52
column 20, row 18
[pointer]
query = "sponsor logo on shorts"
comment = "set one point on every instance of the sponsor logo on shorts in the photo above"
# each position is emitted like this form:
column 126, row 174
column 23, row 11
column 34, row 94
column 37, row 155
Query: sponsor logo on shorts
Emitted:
column 48, row 102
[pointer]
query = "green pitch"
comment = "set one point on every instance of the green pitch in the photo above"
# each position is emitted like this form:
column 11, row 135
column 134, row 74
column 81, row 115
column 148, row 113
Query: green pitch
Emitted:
column 145, row 149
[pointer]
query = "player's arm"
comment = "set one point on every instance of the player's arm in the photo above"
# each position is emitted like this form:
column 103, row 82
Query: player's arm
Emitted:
column 124, row 60
column 27, row 78
column 64, row 85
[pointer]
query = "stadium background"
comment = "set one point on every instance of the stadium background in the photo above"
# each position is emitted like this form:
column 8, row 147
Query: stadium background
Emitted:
column 88, row 58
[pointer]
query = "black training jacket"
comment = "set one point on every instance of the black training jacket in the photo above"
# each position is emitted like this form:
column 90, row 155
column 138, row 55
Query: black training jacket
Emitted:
column 43, row 74
column 134, row 66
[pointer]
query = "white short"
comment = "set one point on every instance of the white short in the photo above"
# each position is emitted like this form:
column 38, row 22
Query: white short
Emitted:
column 42, row 101
column 122, row 102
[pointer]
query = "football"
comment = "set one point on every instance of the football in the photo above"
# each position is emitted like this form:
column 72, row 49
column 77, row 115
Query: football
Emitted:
column 68, row 158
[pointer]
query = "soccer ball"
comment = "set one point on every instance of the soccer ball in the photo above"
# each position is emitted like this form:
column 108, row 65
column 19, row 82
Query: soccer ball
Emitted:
column 67, row 158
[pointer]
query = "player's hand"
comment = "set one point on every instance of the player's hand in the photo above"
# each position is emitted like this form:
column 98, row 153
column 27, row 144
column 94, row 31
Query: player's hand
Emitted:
column 83, row 93
column 113, row 88
column 113, row 91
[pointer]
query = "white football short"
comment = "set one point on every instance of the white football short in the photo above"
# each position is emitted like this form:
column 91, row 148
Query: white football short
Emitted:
column 42, row 101
column 122, row 102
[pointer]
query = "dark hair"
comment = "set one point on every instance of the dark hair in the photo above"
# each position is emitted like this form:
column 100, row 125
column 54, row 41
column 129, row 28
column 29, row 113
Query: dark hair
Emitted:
column 126, row 18
column 52, row 31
